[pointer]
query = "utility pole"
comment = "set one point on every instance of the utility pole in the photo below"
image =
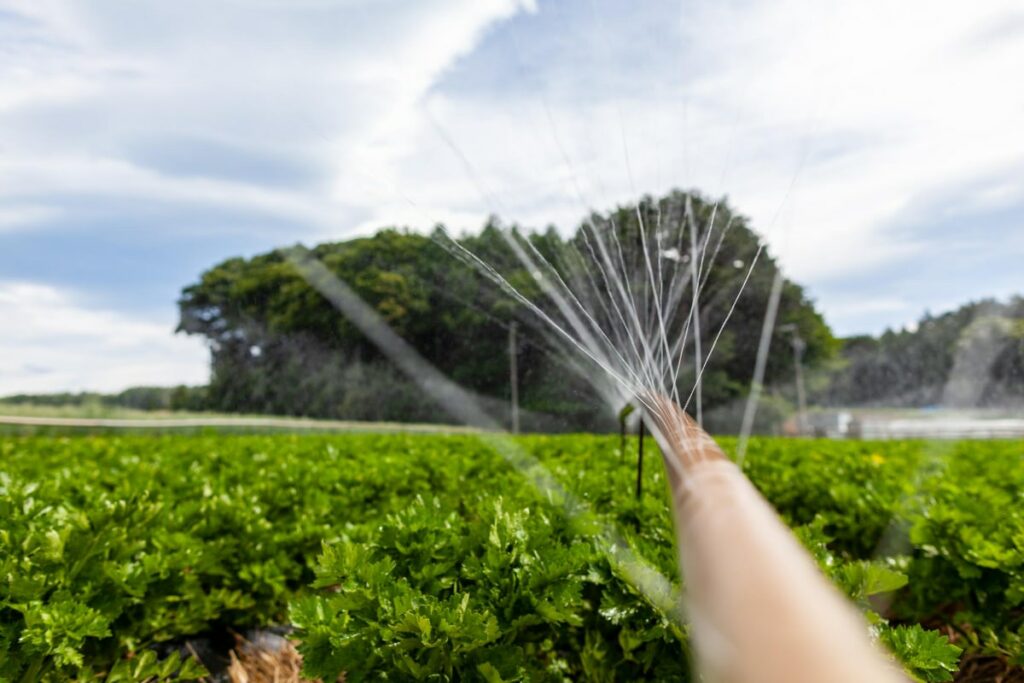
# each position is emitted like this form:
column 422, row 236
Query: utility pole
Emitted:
column 513, row 377
column 624, row 414
column 640, row 462
column 799, row 346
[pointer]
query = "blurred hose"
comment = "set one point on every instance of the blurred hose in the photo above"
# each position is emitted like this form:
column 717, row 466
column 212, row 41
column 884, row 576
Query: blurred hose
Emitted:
column 760, row 610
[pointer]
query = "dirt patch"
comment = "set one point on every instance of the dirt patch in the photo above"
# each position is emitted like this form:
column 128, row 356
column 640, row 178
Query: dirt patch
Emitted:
column 268, row 660
column 982, row 669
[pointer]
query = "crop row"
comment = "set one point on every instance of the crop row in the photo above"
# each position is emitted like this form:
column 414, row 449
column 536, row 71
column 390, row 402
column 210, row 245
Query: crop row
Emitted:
column 431, row 558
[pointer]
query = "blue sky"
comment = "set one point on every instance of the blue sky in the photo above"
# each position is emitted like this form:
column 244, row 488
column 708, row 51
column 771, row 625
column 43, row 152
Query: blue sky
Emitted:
column 878, row 146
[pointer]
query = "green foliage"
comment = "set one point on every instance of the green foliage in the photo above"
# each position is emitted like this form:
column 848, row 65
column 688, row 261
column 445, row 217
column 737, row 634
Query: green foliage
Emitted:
column 983, row 340
column 279, row 347
column 146, row 667
column 973, row 537
column 436, row 595
column 928, row 655
column 134, row 398
column 428, row 557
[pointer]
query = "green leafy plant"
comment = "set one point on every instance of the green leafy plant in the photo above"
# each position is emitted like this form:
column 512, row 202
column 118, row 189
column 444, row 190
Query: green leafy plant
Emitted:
column 428, row 557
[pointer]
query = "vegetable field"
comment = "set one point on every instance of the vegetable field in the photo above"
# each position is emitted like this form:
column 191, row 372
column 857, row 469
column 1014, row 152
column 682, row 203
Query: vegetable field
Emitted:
column 425, row 557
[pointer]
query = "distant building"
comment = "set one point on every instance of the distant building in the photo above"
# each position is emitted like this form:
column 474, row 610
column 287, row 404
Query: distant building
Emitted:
column 832, row 424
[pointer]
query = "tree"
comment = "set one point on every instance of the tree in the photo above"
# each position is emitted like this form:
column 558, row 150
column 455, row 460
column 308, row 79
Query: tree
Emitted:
column 278, row 346
column 973, row 356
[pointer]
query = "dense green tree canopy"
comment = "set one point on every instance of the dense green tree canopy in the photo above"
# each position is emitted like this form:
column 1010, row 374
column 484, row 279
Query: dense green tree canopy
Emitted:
column 970, row 357
column 278, row 346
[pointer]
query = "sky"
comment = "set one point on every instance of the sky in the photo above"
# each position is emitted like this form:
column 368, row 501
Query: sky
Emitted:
column 878, row 146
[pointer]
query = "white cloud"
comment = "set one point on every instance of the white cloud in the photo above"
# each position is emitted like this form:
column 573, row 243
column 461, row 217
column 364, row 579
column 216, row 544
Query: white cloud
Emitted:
column 23, row 216
column 830, row 124
column 96, row 99
column 860, row 306
column 329, row 83
column 111, row 180
column 52, row 342
column 865, row 109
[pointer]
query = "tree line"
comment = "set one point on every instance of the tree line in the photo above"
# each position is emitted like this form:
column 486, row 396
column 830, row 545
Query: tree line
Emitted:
column 966, row 358
column 178, row 398
column 278, row 346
